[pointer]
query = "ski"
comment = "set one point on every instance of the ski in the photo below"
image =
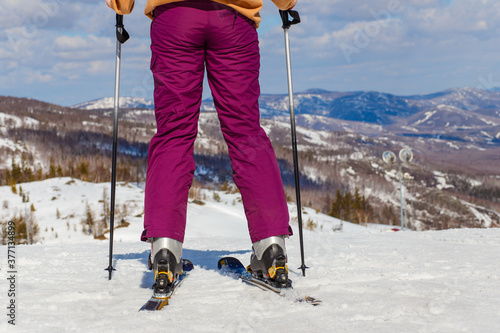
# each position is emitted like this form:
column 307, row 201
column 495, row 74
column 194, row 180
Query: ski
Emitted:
column 157, row 302
column 234, row 267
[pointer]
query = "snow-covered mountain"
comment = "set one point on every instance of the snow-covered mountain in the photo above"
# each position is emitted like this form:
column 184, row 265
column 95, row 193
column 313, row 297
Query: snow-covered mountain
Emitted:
column 108, row 103
column 453, row 182
column 366, row 106
column 471, row 112
column 369, row 279
column 45, row 140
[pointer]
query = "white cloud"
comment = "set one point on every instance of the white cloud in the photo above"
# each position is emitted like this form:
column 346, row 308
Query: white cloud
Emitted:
column 87, row 48
column 37, row 77
column 423, row 41
column 400, row 46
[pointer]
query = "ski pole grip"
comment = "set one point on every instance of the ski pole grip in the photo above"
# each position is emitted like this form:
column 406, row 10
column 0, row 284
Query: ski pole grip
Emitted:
column 286, row 19
column 121, row 34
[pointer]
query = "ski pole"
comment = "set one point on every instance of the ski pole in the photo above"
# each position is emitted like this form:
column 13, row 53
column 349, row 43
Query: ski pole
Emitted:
column 286, row 26
column 121, row 37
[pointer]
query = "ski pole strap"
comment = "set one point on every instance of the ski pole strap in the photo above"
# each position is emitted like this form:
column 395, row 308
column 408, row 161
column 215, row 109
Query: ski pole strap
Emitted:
column 121, row 34
column 286, row 19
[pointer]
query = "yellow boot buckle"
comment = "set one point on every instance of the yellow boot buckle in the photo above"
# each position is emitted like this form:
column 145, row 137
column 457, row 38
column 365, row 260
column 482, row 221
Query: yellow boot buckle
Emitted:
column 272, row 270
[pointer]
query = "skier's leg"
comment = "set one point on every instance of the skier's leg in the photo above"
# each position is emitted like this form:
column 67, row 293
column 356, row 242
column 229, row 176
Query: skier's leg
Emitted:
column 233, row 63
column 178, row 65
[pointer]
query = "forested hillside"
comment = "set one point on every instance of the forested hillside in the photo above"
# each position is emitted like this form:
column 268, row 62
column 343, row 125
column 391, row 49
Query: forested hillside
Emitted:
column 342, row 172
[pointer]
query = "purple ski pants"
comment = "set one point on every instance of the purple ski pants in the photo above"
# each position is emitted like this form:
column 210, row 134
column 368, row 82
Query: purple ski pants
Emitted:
column 186, row 36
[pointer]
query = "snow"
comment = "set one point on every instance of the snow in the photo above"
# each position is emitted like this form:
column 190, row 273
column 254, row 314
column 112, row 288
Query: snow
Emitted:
column 391, row 174
column 441, row 181
column 369, row 280
column 8, row 143
column 312, row 173
column 207, row 108
column 92, row 123
column 474, row 182
column 357, row 156
column 17, row 147
column 109, row 103
column 452, row 145
column 350, row 170
column 488, row 122
column 7, row 120
column 428, row 115
column 480, row 213
column 315, row 137
column 410, row 128
column 13, row 120
column 487, row 135
column 481, row 217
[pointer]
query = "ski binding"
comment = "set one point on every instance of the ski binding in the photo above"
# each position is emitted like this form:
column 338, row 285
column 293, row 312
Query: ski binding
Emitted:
column 232, row 266
column 158, row 301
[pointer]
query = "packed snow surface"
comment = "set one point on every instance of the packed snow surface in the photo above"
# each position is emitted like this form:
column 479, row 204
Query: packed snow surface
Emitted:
column 369, row 279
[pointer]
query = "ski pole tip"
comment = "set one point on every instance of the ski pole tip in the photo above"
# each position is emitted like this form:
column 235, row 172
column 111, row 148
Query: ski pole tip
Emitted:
column 303, row 268
column 110, row 269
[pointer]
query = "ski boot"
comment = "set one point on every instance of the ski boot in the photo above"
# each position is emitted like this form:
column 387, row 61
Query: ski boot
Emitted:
column 268, row 262
column 165, row 260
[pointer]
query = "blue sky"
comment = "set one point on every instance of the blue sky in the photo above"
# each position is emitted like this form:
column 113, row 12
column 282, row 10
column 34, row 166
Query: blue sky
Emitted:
column 63, row 51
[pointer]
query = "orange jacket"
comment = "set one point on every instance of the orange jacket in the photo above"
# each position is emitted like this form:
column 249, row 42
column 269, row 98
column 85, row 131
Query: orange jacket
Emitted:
column 249, row 8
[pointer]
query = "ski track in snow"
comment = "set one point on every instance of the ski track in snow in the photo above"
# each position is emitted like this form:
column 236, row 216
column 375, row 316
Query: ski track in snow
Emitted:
column 369, row 280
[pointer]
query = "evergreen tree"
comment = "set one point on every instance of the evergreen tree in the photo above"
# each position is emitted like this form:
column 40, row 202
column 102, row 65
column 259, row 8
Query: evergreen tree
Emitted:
column 354, row 208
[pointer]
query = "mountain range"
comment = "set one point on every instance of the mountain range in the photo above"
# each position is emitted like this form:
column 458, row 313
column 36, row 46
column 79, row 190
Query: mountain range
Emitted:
column 462, row 114
column 454, row 135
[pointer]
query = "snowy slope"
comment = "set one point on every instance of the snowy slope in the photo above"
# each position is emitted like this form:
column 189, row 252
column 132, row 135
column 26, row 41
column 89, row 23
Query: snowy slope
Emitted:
column 370, row 280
